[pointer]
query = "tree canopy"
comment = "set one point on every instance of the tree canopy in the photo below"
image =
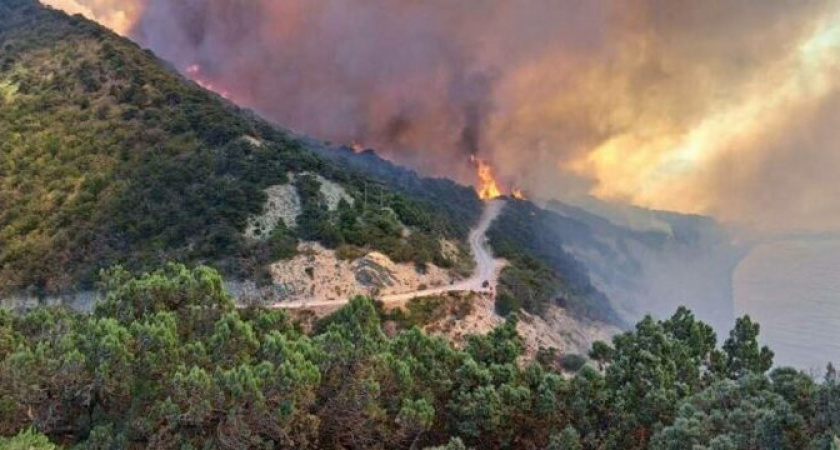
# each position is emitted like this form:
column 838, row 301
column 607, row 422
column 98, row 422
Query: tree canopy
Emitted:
column 167, row 361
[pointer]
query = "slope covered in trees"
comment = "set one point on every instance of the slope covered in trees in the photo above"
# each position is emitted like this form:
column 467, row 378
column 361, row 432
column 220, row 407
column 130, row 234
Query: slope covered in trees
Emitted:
column 542, row 271
column 166, row 361
column 108, row 156
column 539, row 272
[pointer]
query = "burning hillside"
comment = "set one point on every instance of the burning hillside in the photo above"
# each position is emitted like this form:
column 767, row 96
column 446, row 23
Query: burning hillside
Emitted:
column 194, row 72
column 632, row 101
column 488, row 187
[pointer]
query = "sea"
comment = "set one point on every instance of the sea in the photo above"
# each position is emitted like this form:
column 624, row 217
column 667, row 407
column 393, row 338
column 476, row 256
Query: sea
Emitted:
column 792, row 288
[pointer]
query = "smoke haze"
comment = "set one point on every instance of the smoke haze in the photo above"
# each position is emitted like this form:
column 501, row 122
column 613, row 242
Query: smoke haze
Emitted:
column 721, row 108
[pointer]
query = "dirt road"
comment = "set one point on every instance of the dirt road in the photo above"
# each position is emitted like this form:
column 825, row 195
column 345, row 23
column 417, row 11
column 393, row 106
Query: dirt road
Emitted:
column 483, row 278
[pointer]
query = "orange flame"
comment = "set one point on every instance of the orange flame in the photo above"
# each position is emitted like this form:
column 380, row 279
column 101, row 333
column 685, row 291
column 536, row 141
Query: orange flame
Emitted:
column 488, row 188
column 194, row 71
column 518, row 194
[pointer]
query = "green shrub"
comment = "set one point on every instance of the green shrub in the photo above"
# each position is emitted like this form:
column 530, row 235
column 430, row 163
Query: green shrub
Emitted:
column 506, row 304
column 282, row 243
column 349, row 252
column 28, row 439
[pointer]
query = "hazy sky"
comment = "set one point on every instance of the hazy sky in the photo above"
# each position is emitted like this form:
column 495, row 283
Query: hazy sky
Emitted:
column 722, row 107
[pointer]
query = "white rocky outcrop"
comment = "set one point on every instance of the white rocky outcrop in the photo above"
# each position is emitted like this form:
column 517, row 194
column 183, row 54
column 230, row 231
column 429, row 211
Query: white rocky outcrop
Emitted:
column 318, row 275
column 252, row 140
column 333, row 192
column 375, row 270
column 555, row 328
column 284, row 204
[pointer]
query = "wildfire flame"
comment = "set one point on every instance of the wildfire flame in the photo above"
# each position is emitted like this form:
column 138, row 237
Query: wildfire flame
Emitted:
column 488, row 188
column 194, row 71
column 518, row 194
column 357, row 147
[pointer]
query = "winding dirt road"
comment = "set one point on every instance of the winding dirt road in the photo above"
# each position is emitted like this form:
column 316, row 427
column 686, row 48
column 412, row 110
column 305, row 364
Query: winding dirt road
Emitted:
column 487, row 268
column 483, row 279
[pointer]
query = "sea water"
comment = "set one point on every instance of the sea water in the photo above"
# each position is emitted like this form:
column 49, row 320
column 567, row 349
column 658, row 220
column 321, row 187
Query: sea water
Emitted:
column 792, row 288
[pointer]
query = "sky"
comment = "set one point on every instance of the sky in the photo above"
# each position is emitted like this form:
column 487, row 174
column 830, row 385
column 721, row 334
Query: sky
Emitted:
column 723, row 108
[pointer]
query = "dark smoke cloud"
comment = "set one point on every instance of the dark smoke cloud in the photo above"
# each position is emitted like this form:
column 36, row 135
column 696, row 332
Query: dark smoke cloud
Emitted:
column 416, row 80
column 725, row 108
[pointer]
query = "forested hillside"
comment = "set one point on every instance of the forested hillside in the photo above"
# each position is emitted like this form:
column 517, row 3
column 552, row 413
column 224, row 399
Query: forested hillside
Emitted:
column 168, row 362
column 113, row 158
column 107, row 156
column 540, row 272
column 117, row 171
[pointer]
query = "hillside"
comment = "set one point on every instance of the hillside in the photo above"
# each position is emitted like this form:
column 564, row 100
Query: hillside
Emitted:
column 114, row 158
column 110, row 157
column 617, row 268
column 540, row 271
column 651, row 261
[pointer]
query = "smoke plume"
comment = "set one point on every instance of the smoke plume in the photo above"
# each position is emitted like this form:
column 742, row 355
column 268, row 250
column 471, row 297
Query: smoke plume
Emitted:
column 722, row 108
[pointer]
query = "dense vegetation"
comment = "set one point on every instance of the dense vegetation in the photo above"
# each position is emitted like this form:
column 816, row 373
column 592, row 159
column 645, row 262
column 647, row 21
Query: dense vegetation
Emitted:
column 166, row 361
column 108, row 156
column 541, row 271
column 459, row 204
